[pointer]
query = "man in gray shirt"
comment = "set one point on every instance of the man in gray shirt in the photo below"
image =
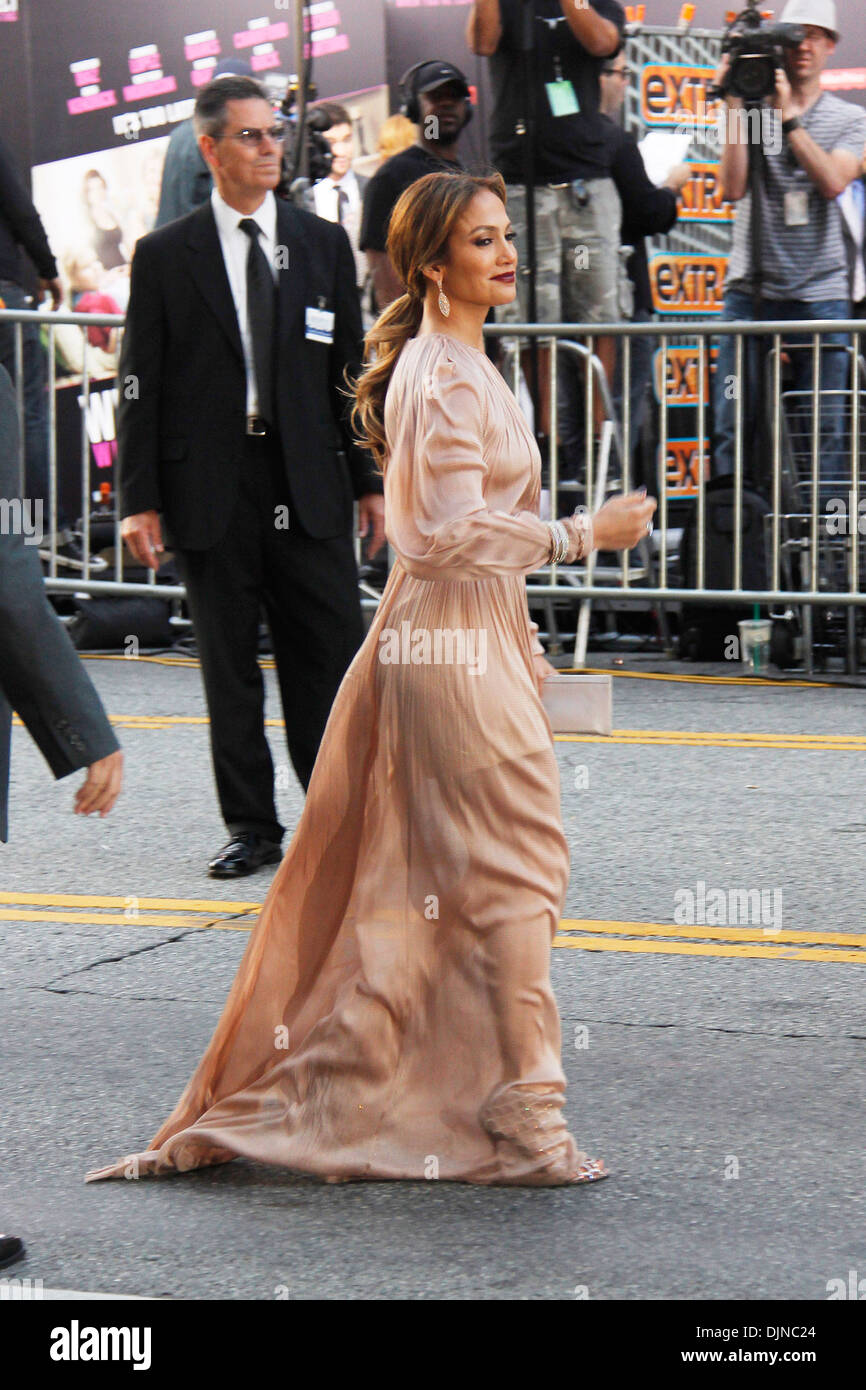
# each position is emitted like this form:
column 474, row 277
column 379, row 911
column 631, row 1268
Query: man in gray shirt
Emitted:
column 817, row 152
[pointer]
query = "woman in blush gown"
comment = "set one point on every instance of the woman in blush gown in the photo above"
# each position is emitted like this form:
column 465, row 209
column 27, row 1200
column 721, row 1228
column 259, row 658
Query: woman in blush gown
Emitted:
column 392, row 1016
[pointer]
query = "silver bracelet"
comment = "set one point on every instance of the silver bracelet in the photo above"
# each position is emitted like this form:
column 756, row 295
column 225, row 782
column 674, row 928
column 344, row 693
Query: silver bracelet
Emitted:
column 559, row 542
column 582, row 521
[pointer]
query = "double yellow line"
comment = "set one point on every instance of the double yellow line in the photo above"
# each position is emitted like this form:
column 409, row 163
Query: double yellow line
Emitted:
column 759, row 943
column 696, row 738
column 662, row 738
column 581, row 934
column 678, row 677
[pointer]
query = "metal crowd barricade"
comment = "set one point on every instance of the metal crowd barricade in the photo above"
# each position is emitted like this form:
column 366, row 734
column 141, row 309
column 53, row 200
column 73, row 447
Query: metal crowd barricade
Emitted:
column 813, row 588
column 796, row 527
column 49, row 322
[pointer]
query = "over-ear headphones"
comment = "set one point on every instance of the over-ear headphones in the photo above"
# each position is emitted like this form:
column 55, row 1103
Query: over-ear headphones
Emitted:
column 410, row 107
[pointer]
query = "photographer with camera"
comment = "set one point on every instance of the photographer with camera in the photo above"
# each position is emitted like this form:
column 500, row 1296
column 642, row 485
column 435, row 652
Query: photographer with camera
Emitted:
column 799, row 270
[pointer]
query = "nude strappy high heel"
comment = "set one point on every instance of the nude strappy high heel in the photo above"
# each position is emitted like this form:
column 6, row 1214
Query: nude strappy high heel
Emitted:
column 530, row 1120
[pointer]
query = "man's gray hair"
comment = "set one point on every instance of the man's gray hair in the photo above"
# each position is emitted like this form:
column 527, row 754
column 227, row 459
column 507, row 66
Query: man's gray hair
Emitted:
column 209, row 116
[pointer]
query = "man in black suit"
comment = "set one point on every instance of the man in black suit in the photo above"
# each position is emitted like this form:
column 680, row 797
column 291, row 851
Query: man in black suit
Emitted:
column 233, row 423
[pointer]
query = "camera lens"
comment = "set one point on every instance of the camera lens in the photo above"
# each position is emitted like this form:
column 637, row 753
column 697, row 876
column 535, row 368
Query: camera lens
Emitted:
column 754, row 78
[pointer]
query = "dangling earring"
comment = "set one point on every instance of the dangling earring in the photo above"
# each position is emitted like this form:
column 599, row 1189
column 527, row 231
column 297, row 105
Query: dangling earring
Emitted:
column 444, row 301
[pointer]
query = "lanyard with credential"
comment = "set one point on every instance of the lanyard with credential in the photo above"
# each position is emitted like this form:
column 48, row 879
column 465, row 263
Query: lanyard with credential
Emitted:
column 561, row 96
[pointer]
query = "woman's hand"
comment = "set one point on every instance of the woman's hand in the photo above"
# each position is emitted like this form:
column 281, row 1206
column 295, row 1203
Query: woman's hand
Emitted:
column 542, row 669
column 623, row 521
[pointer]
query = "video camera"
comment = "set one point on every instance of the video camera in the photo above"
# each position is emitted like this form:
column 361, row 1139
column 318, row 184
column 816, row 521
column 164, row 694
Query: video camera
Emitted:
column 319, row 156
column 757, row 51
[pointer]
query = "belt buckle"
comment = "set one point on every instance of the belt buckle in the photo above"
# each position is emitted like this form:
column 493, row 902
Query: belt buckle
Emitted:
column 256, row 426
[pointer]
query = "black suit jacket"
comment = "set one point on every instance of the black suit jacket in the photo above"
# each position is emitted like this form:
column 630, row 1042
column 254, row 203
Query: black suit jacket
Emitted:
column 41, row 675
column 182, row 409
column 647, row 210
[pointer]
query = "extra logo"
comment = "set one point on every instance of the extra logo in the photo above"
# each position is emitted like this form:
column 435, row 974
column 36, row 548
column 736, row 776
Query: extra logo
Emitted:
column 701, row 199
column 682, row 465
column 676, row 94
column 682, row 375
column 688, row 284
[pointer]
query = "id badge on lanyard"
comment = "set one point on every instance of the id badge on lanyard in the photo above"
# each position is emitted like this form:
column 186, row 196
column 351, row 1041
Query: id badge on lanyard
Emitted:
column 561, row 96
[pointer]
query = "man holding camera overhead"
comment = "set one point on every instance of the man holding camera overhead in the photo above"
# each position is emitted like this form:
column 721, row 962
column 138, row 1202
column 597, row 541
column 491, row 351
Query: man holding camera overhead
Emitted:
column 802, row 270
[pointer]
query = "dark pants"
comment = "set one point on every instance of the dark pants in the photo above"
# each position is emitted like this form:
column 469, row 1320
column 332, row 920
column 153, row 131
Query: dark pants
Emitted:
column 309, row 591
column 835, row 376
column 35, row 397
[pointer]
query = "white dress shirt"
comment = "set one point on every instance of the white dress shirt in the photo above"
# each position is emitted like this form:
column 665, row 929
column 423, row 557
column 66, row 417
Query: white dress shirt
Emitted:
column 327, row 196
column 326, row 203
column 235, row 248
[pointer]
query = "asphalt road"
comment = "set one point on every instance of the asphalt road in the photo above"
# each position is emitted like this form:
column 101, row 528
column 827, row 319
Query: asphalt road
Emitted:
column 721, row 1078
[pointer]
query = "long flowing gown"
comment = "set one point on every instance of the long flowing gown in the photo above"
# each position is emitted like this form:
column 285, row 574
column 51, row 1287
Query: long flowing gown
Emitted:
column 392, row 1016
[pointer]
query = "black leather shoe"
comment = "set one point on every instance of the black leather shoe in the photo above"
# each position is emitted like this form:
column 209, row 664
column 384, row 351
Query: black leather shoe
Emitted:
column 243, row 854
column 11, row 1249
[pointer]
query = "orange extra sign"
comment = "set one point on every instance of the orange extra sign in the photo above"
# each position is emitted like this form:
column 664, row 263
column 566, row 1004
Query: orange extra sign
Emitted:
column 682, row 467
column 701, row 199
column 677, row 94
column 682, row 374
column 689, row 283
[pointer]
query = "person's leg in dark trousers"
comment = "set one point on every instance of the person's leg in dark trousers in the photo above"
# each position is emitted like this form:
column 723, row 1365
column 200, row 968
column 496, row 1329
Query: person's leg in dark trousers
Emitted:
column 224, row 590
column 35, row 399
column 314, row 613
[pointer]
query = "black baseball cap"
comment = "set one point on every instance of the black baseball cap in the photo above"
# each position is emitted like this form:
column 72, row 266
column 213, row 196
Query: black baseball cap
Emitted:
column 436, row 74
column 233, row 67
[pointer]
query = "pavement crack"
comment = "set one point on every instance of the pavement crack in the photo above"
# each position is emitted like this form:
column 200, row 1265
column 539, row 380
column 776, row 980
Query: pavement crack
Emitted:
column 720, row 1028
column 123, row 998
column 114, row 960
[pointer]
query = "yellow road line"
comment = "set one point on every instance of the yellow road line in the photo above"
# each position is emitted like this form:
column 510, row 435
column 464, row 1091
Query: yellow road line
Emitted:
column 141, row 909
column 583, row 943
column 573, row 933
column 693, row 948
column 816, row 739
column 130, row 900
column 266, row 662
column 683, row 677
column 686, row 679
column 92, row 919
column 662, row 738
column 702, row 933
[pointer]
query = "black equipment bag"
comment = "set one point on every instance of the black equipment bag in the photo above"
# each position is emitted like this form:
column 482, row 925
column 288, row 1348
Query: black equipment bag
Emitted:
column 107, row 624
column 704, row 628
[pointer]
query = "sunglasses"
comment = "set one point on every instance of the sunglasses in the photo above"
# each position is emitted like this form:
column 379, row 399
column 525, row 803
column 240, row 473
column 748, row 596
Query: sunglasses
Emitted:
column 617, row 72
column 257, row 137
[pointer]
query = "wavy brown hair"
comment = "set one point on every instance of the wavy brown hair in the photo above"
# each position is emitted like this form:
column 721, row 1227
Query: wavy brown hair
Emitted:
column 421, row 225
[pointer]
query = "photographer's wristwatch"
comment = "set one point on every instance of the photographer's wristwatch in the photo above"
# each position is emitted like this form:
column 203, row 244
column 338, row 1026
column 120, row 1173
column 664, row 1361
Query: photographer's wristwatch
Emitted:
column 793, row 123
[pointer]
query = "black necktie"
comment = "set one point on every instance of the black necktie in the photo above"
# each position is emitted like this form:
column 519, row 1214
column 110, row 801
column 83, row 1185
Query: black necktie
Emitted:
column 261, row 314
column 342, row 204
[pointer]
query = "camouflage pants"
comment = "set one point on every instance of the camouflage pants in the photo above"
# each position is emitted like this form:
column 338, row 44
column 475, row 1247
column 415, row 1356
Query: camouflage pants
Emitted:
column 580, row 275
